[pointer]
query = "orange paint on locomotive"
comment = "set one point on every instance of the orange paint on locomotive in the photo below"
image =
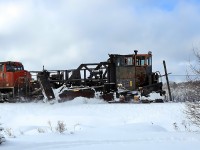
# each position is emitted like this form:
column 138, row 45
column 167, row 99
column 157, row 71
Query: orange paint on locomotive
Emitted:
column 12, row 74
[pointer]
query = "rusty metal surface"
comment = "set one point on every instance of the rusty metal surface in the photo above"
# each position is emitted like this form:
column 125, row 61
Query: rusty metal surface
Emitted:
column 73, row 93
column 131, row 77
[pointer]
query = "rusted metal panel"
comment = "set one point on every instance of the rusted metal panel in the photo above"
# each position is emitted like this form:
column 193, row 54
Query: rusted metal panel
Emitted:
column 73, row 93
column 141, row 76
column 126, row 77
column 131, row 77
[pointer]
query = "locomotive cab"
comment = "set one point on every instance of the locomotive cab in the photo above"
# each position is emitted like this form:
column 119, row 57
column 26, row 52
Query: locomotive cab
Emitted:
column 13, row 79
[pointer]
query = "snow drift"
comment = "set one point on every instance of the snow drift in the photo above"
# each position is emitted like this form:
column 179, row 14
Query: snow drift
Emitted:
column 94, row 124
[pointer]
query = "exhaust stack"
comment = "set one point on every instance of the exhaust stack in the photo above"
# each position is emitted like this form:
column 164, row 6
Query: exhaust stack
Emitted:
column 136, row 51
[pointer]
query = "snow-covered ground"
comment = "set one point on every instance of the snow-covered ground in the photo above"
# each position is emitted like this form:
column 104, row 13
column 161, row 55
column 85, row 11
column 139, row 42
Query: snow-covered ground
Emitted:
column 95, row 125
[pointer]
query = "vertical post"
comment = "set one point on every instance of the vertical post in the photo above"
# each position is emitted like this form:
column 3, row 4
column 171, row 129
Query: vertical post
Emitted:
column 135, row 65
column 66, row 75
column 13, row 92
column 166, row 75
column 85, row 77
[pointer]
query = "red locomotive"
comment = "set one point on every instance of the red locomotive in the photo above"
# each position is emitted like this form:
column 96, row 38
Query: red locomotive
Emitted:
column 14, row 80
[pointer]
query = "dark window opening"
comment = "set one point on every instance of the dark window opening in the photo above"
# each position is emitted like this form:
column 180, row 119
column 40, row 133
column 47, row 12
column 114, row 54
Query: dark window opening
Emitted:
column 149, row 61
column 1, row 67
column 12, row 68
column 118, row 62
column 140, row 61
column 128, row 61
column 143, row 61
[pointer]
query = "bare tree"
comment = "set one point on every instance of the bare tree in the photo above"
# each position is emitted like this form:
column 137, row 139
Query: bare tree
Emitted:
column 192, row 93
column 193, row 112
column 194, row 67
column 193, row 96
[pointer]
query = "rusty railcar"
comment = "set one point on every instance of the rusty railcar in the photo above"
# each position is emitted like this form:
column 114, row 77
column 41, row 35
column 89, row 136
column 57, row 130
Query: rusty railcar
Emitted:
column 134, row 72
column 120, row 74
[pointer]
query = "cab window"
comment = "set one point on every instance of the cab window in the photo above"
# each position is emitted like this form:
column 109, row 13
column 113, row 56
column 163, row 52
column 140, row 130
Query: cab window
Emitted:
column 149, row 61
column 12, row 68
column 128, row 61
column 1, row 67
column 140, row 61
column 9, row 68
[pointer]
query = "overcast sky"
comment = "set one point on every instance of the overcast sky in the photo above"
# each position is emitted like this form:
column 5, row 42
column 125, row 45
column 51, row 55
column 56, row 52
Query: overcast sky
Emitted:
column 61, row 34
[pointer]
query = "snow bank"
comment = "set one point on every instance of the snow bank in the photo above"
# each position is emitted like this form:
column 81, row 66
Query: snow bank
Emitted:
column 94, row 124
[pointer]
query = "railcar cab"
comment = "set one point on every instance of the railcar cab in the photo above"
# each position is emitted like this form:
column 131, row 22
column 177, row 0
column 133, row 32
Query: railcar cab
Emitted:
column 134, row 70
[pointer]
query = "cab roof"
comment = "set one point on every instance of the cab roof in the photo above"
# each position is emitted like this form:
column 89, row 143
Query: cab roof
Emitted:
column 15, row 63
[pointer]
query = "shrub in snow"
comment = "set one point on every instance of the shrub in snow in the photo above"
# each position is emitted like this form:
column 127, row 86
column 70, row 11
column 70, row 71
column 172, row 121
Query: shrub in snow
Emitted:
column 9, row 132
column 21, row 132
column 2, row 138
column 61, row 127
column 50, row 126
column 186, row 125
column 76, row 125
column 175, row 126
column 41, row 130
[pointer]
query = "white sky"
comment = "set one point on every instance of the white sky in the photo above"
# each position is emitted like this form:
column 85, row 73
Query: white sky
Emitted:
column 61, row 34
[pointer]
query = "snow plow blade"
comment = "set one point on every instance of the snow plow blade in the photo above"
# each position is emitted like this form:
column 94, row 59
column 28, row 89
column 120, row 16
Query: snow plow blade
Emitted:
column 72, row 93
column 45, row 85
column 156, row 87
column 159, row 101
